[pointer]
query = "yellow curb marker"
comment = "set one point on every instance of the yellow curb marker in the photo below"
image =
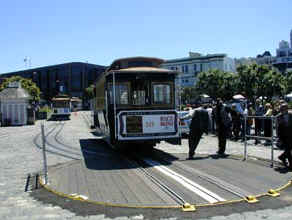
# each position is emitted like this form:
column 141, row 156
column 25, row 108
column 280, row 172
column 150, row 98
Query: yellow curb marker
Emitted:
column 251, row 199
column 187, row 207
column 273, row 193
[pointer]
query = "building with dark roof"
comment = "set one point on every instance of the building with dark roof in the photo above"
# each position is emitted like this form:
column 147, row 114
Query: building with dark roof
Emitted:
column 70, row 78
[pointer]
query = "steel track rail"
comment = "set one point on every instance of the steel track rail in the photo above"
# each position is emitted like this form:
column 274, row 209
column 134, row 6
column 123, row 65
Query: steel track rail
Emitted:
column 140, row 165
column 69, row 150
column 48, row 142
column 212, row 179
column 48, row 150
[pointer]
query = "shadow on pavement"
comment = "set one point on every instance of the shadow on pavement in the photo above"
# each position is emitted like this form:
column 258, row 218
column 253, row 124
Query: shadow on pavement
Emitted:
column 98, row 155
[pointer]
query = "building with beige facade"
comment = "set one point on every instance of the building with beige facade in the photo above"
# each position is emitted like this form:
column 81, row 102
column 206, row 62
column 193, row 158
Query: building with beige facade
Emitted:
column 195, row 63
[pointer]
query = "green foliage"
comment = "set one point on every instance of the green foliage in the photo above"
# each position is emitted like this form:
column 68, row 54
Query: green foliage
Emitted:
column 45, row 109
column 188, row 94
column 27, row 84
column 247, row 80
column 289, row 82
column 275, row 84
column 216, row 83
column 290, row 105
column 89, row 92
column 252, row 81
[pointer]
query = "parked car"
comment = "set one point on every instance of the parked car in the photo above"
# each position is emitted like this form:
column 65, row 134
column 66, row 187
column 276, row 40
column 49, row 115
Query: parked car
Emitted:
column 184, row 124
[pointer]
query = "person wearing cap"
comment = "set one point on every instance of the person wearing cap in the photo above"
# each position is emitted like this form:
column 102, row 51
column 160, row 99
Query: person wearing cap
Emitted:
column 284, row 134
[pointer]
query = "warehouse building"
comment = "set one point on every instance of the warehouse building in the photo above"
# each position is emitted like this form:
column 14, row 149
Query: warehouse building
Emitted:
column 71, row 78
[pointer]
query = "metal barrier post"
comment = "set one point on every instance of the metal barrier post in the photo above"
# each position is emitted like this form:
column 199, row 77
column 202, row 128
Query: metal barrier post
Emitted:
column 44, row 154
column 245, row 141
column 272, row 140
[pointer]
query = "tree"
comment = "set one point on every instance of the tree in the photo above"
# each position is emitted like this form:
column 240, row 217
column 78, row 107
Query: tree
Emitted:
column 89, row 92
column 229, row 85
column 216, row 84
column 261, row 71
column 27, row 84
column 289, row 82
column 260, row 80
column 275, row 84
column 247, row 80
column 188, row 94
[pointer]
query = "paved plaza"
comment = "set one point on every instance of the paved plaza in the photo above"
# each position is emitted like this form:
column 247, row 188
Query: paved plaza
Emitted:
column 20, row 155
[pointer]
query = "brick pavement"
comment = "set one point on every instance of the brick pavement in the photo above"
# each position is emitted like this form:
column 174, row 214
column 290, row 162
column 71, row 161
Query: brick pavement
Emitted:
column 19, row 156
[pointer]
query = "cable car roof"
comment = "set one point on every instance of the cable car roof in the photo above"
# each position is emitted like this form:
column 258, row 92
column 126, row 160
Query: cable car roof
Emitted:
column 144, row 69
column 127, row 62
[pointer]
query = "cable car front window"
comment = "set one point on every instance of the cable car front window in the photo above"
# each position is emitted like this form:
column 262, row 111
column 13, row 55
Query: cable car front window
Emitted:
column 122, row 94
column 139, row 97
column 61, row 104
column 140, row 92
column 162, row 94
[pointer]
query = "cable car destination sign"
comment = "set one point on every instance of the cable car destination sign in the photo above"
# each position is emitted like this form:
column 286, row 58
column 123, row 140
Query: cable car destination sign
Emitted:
column 151, row 123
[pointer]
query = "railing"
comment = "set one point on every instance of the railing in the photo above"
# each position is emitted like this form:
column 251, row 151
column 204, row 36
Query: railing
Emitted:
column 272, row 138
column 282, row 59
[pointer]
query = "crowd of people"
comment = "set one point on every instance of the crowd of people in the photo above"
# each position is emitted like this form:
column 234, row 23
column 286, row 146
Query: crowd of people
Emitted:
column 236, row 121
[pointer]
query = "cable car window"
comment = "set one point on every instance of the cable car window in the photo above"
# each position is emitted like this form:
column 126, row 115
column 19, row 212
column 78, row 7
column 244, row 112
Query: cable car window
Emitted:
column 139, row 97
column 161, row 94
column 140, row 92
column 61, row 104
column 122, row 93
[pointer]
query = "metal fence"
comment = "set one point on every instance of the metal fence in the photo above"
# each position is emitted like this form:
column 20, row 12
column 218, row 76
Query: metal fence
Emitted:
column 273, row 138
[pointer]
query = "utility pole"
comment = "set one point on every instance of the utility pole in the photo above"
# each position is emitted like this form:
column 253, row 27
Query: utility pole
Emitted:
column 27, row 62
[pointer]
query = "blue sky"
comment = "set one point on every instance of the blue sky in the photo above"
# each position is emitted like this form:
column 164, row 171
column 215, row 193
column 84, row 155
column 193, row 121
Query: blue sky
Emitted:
column 59, row 31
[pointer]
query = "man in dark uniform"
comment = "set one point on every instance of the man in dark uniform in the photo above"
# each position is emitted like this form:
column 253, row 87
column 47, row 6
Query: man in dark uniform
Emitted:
column 198, row 126
column 235, row 116
column 284, row 133
column 223, row 123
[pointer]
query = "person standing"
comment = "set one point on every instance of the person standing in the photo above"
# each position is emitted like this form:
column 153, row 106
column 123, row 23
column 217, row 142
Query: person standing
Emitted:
column 259, row 111
column 284, row 134
column 198, row 126
column 223, row 123
column 268, row 123
column 235, row 116
column 249, row 121
column 209, row 110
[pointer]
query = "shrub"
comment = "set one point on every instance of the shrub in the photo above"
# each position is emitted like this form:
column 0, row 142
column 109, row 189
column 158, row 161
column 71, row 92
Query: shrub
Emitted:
column 45, row 109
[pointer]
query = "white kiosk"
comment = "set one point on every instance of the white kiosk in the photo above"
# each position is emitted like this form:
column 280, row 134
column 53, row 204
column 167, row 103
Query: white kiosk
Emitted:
column 14, row 102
